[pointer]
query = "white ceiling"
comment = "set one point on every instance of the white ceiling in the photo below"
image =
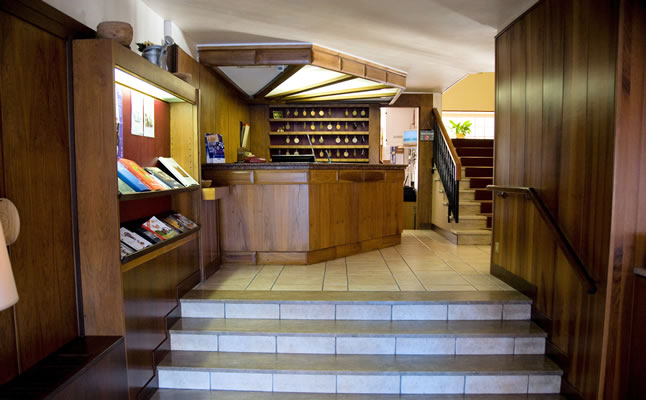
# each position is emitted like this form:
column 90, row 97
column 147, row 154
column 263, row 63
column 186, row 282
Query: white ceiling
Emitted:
column 436, row 41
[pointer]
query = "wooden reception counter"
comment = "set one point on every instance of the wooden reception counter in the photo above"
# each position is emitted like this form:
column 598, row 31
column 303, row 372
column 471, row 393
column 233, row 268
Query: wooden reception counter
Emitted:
column 301, row 213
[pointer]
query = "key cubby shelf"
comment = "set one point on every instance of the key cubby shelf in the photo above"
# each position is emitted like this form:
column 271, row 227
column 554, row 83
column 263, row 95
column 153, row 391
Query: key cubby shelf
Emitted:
column 339, row 132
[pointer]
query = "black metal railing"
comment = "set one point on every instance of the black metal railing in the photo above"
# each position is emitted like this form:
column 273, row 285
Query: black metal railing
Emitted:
column 447, row 163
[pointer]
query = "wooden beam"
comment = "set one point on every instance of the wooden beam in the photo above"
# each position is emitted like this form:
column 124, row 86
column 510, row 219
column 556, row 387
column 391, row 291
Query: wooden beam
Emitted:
column 227, row 56
column 314, row 86
column 286, row 74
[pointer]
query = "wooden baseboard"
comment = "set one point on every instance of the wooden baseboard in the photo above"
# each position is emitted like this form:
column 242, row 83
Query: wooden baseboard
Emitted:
column 446, row 234
column 312, row 256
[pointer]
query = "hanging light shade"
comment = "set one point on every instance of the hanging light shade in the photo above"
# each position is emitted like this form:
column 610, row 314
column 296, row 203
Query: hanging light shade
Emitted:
column 8, row 292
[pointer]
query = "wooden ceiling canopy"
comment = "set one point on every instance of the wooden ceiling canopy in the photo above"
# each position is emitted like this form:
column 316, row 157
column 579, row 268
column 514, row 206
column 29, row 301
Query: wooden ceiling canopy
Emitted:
column 296, row 56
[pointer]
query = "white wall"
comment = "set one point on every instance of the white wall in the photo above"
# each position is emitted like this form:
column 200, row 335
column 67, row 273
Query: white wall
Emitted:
column 147, row 24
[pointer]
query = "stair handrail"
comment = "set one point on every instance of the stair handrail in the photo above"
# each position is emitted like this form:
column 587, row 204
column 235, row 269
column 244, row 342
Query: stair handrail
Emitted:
column 449, row 167
column 558, row 233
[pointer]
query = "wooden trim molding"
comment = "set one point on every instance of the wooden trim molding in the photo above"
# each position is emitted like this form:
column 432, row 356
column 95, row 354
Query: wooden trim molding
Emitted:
column 312, row 256
column 301, row 54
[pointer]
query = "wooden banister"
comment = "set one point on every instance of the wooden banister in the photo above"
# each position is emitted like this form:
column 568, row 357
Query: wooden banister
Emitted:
column 560, row 237
column 449, row 144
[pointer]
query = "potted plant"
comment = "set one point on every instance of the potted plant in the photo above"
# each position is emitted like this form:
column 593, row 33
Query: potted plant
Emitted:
column 461, row 128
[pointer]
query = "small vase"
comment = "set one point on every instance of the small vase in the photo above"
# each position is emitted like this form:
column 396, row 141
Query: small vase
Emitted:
column 460, row 135
column 153, row 54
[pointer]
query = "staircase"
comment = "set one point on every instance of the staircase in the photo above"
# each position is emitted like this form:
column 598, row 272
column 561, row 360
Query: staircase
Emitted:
column 476, row 203
column 230, row 344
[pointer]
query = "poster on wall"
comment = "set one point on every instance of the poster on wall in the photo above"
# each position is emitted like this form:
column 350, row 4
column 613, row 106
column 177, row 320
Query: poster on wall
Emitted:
column 149, row 117
column 119, row 105
column 137, row 106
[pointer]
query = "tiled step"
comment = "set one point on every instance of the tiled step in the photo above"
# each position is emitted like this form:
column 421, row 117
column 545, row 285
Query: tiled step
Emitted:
column 358, row 337
column 472, row 236
column 476, row 161
column 179, row 394
column 472, row 142
column 467, row 207
column 383, row 306
column 468, row 222
column 359, row 373
column 474, row 151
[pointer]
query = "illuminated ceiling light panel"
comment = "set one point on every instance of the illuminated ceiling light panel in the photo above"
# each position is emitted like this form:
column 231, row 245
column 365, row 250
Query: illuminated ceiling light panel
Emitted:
column 305, row 77
column 252, row 78
column 369, row 94
column 353, row 85
column 123, row 78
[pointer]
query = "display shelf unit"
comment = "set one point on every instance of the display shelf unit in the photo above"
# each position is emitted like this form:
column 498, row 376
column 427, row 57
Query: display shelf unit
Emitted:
column 325, row 124
column 131, row 299
column 97, row 65
column 141, row 256
column 158, row 193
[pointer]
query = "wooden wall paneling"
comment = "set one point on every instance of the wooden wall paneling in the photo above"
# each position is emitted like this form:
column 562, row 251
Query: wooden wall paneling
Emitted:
column 184, row 63
column 97, row 205
column 259, row 131
column 425, row 156
column 36, row 154
column 209, row 237
column 374, row 137
column 624, row 356
column 501, row 143
column 150, row 293
column 554, row 131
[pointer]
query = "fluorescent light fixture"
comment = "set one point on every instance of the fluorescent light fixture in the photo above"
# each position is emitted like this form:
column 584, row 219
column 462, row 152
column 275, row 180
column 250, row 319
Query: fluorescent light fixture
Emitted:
column 350, row 86
column 306, row 77
column 123, row 78
column 369, row 94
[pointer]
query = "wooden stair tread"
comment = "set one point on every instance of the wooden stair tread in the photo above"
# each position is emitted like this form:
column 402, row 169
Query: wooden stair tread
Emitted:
column 359, row 364
column 471, row 231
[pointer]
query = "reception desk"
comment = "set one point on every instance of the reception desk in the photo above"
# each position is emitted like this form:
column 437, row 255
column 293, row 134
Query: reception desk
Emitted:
column 301, row 213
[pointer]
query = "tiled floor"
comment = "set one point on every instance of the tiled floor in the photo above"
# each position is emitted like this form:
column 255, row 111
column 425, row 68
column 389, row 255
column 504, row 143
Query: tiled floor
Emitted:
column 424, row 261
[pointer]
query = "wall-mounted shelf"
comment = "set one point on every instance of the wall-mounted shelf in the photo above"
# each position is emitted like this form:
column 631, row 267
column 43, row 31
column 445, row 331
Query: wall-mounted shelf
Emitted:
column 319, row 119
column 156, row 250
column 325, row 116
column 317, row 133
column 319, row 146
column 324, row 159
column 158, row 193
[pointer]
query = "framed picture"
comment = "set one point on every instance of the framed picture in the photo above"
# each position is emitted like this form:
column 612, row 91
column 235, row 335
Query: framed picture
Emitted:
column 277, row 114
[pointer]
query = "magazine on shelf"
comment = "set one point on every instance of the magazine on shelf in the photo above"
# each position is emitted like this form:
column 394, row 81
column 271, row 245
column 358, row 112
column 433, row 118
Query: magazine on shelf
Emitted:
column 176, row 171
column 164, row 177
column 174, row 223
column 133, row 240
column 214, row 148
column 162, row 183
column 130, row 179
column 141, row 174
column 159, row 229
column 125, row 250
column 149, row 236
column 185, row 221
column 124, row 188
